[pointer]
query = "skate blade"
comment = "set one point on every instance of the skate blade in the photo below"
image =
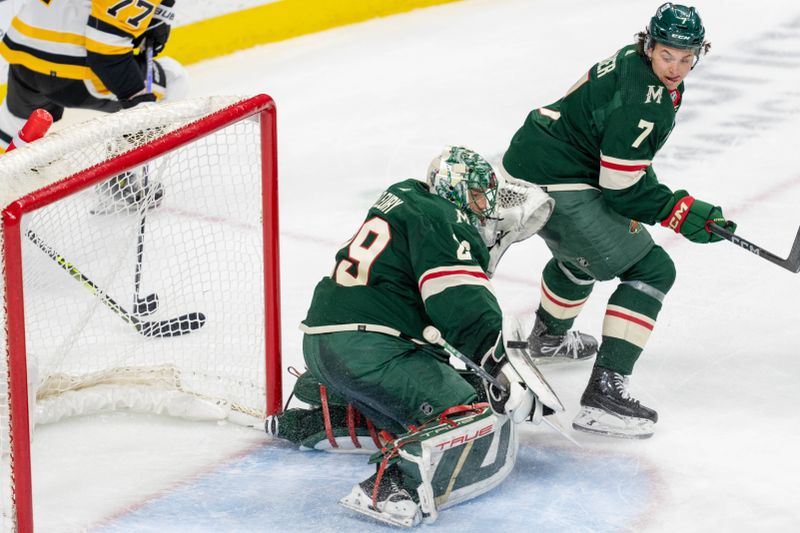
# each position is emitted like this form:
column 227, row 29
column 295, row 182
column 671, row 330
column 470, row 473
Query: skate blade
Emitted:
column 357, row 503
column 559, row 360
column 591, row 420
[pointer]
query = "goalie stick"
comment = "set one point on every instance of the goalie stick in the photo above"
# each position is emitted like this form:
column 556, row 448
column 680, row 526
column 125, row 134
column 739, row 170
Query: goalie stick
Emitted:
column 791, row 263
column 172, row 327
column 434, row 336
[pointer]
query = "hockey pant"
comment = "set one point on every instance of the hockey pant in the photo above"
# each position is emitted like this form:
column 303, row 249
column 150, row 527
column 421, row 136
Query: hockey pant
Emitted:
column 393, row 382
column 331, row 423
column 28, row 90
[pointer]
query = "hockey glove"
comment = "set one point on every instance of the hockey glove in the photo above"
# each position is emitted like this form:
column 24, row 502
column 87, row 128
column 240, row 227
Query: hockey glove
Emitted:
column 135, row 100
column 157, row 33
column 516, row 401
column 691, row 217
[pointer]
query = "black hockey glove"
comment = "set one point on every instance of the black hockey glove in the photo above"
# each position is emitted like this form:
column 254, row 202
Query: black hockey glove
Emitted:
column 137, row 99
column 157, row 34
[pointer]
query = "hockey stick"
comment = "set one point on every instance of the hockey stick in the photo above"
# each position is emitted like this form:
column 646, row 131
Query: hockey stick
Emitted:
column 147, row 305
column 791, row 263
column 434, row 336
column 173, row 327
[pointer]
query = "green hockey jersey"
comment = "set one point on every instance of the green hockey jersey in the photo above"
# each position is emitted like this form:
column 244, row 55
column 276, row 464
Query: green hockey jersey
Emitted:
column 604, row 133
column 415, row 261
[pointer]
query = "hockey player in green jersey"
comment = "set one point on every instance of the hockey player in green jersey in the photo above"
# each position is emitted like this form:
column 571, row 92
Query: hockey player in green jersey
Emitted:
column 418, row 261
column 592, row 152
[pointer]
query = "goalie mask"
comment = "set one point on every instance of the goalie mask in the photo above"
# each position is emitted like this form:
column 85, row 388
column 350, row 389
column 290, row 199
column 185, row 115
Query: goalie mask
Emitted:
column 465, row 179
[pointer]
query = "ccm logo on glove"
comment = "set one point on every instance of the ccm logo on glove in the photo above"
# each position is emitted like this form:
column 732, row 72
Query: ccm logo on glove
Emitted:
column 678, row 215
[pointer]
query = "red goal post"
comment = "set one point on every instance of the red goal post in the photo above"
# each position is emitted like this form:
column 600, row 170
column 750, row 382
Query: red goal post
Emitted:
column 209, row 245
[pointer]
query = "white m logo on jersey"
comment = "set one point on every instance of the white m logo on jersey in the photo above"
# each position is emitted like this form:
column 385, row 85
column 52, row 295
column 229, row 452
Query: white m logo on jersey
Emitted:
column 653, row 94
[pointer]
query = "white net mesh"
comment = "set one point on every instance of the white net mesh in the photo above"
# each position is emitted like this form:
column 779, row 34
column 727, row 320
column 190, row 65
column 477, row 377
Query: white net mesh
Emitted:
column 189, row 223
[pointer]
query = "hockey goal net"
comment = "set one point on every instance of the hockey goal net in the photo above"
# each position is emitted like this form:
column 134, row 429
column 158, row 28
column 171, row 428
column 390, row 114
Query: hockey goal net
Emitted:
column 140, row 272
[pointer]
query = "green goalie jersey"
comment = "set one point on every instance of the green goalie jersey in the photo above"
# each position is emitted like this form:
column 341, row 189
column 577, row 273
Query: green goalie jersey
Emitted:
column 603, row 133
column 415, row 261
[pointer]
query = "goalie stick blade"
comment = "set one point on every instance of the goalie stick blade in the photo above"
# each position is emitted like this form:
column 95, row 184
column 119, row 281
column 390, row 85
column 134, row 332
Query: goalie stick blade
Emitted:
column 173, row 327
column 525, row 367
column 521, row 360
column 554, row 423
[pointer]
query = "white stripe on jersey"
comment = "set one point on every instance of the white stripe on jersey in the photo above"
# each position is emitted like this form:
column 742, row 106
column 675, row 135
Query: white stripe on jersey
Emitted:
column 61, row 17
column 438, row 279
column 617, row 174
column 49, row 46
column 109, row 39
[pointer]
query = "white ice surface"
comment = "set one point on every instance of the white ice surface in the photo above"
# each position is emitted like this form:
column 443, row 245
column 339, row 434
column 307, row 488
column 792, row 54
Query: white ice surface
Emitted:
column 367, row 105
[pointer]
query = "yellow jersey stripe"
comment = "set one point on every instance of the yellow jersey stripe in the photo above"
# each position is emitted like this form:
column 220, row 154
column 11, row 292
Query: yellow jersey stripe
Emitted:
column 73, row 72
column 47, row 35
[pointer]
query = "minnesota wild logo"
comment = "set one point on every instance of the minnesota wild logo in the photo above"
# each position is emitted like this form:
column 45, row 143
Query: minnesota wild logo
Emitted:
column 634, row 227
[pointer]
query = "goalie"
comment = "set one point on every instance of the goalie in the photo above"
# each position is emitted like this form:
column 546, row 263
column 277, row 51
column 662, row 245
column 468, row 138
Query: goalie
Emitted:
column 417, row 260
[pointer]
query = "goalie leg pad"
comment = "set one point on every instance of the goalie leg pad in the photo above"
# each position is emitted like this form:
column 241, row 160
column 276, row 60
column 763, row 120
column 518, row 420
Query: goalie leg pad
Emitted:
column 342, row 430
column 461, row 454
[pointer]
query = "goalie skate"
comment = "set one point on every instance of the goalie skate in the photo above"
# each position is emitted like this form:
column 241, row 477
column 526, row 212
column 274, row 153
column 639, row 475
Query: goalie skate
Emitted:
column 394, row 504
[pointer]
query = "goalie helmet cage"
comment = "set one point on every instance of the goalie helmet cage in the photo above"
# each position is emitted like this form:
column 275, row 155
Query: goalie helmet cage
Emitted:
column 211, row 349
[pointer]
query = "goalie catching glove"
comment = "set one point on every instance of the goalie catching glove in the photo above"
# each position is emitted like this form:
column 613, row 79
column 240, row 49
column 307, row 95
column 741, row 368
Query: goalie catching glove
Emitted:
column 691, row 217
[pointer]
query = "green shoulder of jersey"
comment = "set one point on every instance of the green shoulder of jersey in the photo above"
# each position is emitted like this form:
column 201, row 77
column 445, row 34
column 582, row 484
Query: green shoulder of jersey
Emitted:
column 619, row 109
column 416, row 260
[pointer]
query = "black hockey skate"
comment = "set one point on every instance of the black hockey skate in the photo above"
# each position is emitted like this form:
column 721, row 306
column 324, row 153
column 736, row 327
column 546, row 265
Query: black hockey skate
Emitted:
column 125, row 193
column 608, row 409
column 574, row 346
column 394, row 505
